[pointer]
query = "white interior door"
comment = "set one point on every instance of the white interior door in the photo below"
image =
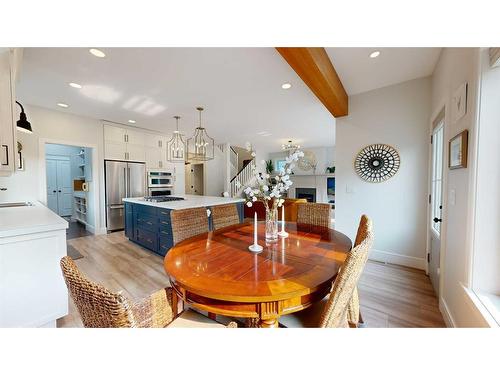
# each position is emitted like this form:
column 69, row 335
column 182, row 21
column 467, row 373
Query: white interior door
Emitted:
column 436, row 203
column 52, row 185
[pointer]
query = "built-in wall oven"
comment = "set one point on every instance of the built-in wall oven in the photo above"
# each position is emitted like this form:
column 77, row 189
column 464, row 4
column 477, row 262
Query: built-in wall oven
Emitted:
column 155, row 192
column 160, row 183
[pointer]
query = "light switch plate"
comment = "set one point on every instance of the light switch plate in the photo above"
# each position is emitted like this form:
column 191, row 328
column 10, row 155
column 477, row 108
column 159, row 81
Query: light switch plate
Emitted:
column 349, row 189
column 452, row 197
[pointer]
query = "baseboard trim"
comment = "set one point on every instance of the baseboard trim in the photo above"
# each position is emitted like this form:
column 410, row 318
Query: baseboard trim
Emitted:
column 448, row 318
column 90, row 228
column 100, row 231
column 401, row 260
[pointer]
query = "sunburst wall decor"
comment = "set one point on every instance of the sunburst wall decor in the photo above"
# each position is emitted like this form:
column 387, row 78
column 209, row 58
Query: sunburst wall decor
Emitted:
column 377, row 163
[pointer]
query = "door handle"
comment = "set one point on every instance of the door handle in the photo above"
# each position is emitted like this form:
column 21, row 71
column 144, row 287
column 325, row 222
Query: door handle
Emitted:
column 436, row 220
column 115, row 206
column 6, row 155
column 54, row 191
column 59, row 191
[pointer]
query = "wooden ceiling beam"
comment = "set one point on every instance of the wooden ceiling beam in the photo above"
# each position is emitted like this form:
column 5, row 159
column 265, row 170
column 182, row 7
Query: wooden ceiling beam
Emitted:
column 314, row 67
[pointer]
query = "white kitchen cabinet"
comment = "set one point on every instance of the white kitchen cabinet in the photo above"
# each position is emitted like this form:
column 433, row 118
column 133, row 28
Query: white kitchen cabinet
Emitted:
column 136, row 152
column 156, row 140
column 116, row 151
column 8, row 141
column 32, row 288
column 114, row 134
column 123, row 144
column 156, row 154
column 134, row 137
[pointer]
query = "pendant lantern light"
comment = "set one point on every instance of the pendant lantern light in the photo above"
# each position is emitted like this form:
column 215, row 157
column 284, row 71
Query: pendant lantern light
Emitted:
column 176, row 146
column 200, row 147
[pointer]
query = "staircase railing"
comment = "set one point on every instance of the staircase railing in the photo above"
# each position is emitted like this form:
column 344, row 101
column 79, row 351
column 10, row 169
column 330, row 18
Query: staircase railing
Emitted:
column 233, row 160
column 242, row 179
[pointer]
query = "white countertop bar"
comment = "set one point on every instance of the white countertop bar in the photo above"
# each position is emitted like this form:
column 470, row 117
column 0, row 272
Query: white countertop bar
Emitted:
column 16, row 221
column 190, row 201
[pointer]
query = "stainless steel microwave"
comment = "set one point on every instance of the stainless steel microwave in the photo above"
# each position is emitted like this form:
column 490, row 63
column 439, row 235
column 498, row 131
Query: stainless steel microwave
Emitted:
column 160, row 179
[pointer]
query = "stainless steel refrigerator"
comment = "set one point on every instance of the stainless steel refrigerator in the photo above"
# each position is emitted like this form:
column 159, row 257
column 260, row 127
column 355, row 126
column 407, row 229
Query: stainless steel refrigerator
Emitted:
column 123, row 180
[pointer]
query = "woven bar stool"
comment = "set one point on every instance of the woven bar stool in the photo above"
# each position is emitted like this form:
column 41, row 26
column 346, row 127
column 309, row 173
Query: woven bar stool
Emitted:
column 225, row 215
column 188, row 223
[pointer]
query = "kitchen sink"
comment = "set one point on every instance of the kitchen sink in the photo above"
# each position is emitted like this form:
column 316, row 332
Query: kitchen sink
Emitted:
column 15, row 204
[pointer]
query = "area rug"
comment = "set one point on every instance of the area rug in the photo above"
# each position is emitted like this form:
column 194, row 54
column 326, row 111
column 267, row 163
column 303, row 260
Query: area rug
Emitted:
column 74, row 253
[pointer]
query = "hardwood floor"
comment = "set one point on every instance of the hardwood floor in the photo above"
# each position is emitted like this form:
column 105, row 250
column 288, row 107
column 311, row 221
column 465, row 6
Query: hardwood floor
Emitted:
column 391, row 296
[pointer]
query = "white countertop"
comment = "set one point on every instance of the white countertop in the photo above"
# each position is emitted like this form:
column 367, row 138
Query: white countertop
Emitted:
column 16, row 221
column 190, row 201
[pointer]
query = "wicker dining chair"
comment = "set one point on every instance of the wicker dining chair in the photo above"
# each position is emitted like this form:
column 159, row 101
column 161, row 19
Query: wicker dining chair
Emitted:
column 101, row 308
column 332, row 312
column 314, row 214
column 225, row 215
column 188, row 223
column 353, row 311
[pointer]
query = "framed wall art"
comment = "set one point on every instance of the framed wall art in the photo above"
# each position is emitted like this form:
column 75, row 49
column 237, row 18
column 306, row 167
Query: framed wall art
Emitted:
column 457, row 154
column 459, row 105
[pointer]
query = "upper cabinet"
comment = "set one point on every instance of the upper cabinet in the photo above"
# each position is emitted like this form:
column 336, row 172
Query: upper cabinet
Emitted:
column 156, row 154
column 124, row 144
column 10, row 61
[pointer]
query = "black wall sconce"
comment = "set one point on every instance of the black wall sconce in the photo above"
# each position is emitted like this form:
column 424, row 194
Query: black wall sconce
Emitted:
column 23, row 124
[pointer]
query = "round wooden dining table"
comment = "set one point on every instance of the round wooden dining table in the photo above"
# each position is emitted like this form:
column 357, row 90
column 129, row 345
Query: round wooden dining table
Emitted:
column 216, row 272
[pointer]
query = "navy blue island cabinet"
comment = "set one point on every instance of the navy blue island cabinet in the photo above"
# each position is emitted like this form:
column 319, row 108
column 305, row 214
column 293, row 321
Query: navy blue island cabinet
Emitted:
column 150, row 226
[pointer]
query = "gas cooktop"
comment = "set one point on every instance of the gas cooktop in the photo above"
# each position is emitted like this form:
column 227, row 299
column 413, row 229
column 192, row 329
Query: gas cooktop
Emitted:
column 162, row 198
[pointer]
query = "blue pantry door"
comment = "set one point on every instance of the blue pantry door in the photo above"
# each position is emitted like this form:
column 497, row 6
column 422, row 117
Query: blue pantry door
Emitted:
column 65, row 191
column 52, row 185
column 59, row 187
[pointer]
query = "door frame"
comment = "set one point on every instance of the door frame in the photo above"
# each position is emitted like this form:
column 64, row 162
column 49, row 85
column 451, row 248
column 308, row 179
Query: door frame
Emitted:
column 442, row 111
column 42, row 175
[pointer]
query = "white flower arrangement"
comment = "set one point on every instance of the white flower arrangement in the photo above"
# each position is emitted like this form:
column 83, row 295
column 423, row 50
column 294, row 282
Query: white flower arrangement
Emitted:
column 270, row 190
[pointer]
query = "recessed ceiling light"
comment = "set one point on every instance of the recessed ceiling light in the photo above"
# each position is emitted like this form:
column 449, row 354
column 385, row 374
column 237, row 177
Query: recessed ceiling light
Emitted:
column 97, row 52
column 64, row 105
column 131, row 121
column 75, row 85
column 286, row 85
column 374, row 54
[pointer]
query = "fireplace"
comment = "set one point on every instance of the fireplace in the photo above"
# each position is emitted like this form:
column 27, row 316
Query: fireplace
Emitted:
column 307, row 193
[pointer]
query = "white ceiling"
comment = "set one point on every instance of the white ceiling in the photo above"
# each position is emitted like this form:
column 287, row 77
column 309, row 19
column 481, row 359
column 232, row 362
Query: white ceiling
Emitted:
column 359, row 73
column 240, row 89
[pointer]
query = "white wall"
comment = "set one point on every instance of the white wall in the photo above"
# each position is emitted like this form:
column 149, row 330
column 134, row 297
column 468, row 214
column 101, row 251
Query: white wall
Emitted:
column 61, row 128
column 325, row 157
column 397, row 115
column 214, row 174
column 456, row 66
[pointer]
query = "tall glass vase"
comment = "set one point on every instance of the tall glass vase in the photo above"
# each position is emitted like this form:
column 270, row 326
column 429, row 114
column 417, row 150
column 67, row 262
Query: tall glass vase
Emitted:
column 271, row 224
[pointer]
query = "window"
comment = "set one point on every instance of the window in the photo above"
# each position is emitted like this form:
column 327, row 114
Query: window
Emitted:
column 437, row 175
column 280, row 165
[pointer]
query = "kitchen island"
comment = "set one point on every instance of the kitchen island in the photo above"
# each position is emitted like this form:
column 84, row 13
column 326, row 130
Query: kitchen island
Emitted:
column 148, row 223
column 32, row 288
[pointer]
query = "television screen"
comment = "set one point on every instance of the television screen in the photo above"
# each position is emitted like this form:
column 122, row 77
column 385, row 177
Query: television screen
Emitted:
column 330, row 185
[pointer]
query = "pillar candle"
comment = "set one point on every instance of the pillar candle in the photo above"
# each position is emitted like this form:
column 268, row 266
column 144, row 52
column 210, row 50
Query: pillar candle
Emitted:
column 283, row 218
column 255, row 228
